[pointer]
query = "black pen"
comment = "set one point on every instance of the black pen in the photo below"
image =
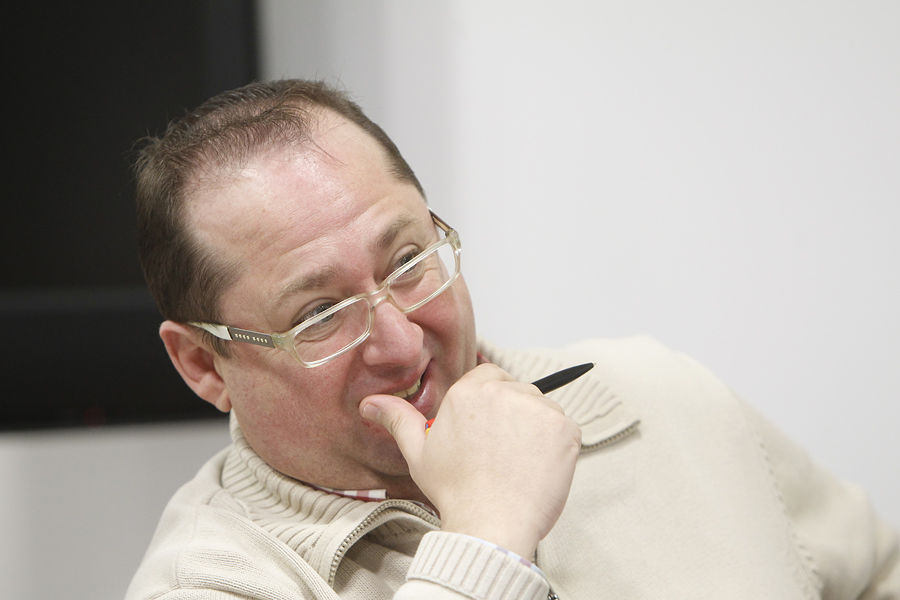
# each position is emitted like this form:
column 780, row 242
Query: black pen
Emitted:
column 551, row 382
column 561, row 378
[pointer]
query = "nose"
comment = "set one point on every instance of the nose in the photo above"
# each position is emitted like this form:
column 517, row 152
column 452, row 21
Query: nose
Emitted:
column 394, row 340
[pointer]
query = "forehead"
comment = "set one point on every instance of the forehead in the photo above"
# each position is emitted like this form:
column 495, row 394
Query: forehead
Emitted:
column 313, row 176
column 291, row 207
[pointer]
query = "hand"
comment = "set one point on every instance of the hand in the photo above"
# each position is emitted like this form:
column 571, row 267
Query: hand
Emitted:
column 498, row 461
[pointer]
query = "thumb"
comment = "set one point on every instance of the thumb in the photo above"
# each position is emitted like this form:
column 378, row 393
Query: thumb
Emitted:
column 405, row 424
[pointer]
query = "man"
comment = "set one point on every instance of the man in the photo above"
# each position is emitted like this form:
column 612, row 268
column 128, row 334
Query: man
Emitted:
column 308, row 290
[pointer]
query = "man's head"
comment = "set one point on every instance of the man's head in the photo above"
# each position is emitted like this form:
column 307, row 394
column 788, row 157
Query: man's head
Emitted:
column 276, row 205
column 222, row 133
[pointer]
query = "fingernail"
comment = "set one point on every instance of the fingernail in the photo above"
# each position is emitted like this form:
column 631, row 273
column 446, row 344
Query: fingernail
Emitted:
column 368, row 411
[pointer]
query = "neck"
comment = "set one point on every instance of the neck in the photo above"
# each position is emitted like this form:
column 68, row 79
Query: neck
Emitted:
column 408, row 490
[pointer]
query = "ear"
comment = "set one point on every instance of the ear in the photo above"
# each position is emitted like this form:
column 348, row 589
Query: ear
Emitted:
column 195, row 362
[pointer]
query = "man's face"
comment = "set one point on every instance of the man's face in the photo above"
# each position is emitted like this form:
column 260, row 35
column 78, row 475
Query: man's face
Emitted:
column 314, row 225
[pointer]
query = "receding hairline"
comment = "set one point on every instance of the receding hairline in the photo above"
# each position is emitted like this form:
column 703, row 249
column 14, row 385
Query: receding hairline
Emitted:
column 214, row 174
column 217, row 170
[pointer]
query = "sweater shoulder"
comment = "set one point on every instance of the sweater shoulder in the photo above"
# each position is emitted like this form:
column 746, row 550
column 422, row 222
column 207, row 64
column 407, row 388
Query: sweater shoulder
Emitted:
column 206, row 546
column 642, row 366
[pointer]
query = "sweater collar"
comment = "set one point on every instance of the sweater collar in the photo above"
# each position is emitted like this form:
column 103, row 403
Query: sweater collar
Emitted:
column 318, row 525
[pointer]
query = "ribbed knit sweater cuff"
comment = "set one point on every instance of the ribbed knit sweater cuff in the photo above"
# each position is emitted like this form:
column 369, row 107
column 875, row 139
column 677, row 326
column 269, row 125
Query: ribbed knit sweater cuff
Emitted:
column 474, row 569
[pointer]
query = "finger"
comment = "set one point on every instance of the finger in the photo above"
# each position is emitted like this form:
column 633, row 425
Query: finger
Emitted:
column 547, row 401
column 488, row 372
column 405, row 424
column 528, row 390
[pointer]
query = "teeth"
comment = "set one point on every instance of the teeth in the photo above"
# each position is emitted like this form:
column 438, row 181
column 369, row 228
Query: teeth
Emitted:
column 407, row 393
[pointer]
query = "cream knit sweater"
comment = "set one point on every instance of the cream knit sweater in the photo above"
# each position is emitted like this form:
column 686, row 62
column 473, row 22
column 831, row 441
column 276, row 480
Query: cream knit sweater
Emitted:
column 700, row 499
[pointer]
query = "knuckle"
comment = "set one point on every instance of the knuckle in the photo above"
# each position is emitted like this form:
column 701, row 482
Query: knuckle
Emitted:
column 576, row 435
column 494, row 387
column 566, row 429
column 492, row 371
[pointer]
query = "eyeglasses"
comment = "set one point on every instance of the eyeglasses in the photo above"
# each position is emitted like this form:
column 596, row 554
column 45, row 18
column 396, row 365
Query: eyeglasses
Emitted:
column 343, row 326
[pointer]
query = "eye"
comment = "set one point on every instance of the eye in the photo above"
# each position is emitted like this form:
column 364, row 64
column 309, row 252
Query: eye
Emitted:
column 403, row 271
column 319, row 309
column 405, row 259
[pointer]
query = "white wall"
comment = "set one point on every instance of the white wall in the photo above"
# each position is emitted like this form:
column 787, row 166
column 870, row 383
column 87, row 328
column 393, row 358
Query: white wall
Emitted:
column 78, row 506
column 721, row 175
column 724, row 176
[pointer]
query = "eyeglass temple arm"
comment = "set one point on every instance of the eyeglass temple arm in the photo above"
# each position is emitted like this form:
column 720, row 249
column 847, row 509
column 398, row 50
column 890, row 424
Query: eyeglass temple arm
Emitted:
column 234, row 334
column 440, row 222
column 220, row 331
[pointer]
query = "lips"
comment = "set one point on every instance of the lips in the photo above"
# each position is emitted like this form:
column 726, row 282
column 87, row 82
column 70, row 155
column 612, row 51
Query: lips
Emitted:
column 420, row 394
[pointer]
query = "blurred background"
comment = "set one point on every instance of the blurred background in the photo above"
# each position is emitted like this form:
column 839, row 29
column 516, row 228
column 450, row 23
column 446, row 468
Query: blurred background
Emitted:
column 722, row 176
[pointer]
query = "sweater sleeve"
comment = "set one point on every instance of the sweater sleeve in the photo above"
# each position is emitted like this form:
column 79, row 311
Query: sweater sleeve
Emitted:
column 849, row 551
column 450, row 566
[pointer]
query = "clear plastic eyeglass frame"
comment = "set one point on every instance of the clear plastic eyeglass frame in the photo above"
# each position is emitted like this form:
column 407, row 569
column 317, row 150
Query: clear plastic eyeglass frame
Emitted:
column 285, row 341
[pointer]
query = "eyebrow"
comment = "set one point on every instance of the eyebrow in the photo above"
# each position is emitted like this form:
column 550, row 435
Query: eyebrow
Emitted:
column 324, row 276
column 390, row 234
column 310, row 281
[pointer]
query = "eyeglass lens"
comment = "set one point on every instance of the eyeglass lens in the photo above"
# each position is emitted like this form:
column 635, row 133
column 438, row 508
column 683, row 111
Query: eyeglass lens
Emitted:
column 411, row 286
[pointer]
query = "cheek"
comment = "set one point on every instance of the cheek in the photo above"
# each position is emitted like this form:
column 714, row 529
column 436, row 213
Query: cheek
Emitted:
column 272, row 385
column 461, row 308
column 464, row 302
column 452, row 321
column 277, row 407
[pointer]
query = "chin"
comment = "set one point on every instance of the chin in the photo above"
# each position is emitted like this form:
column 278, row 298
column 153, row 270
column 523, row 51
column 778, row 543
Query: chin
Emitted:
column 391, row 463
